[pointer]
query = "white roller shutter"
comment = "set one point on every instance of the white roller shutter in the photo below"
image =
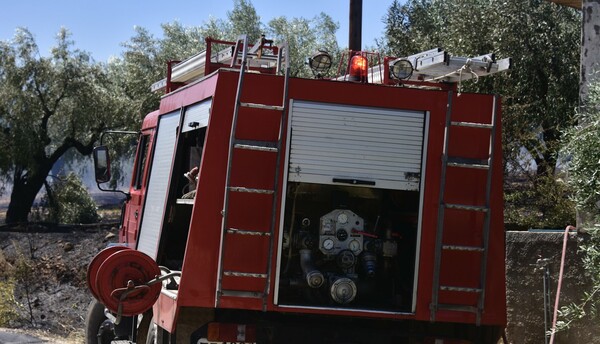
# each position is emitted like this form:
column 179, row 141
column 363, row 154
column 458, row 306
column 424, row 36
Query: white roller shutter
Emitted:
column 156, row 194
column 333, row 143
column 196, row 116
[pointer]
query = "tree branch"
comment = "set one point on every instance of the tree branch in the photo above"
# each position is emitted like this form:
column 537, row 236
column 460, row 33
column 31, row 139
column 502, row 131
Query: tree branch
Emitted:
column 47, row 112
column 82, row 148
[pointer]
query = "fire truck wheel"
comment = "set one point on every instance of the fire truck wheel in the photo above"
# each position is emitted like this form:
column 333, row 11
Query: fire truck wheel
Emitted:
column 97, row 326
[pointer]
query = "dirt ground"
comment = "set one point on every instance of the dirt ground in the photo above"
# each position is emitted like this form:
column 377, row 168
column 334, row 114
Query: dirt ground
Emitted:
column 46, row 269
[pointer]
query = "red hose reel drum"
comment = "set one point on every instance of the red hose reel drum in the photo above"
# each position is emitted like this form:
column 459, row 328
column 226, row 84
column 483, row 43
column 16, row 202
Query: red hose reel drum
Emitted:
column 119, row 275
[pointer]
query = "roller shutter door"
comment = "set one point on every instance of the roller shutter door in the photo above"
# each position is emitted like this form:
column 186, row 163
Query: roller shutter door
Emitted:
column 196, row 116
column 156, row 194
column 333, row 143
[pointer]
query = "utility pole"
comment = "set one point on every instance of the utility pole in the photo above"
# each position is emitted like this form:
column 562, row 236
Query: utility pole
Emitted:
column 355, row 32
column 590, row 47
column 590, row 57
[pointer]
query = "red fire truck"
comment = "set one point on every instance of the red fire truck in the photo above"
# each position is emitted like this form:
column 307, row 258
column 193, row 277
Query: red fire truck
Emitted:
column 264, row 208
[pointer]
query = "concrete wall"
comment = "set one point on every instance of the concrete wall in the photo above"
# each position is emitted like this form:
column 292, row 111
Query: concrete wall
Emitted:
column 525, row 286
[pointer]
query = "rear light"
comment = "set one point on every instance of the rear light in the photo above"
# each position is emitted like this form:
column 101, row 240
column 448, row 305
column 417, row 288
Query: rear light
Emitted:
column 237, row 333
column 358, row 68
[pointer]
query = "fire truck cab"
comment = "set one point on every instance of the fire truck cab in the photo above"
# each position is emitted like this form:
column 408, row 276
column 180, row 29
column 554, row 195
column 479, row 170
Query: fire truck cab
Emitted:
column 266, row 208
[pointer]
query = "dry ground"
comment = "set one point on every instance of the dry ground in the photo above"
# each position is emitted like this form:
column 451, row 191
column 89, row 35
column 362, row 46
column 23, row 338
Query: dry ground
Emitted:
column 46, row 269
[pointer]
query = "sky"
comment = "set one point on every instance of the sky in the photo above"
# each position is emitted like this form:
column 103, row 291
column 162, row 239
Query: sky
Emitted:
column 99, row 27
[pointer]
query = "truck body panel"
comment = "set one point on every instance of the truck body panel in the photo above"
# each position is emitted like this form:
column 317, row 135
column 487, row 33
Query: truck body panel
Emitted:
column 270, row 208
column 187, row 235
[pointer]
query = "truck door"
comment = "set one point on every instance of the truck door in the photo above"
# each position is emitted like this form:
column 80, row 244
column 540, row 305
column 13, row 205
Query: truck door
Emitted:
column 138, row 189
column 164, row 176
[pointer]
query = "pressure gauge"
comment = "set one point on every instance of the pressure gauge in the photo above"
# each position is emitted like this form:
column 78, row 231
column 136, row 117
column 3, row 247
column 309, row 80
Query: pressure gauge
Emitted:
column 354, row 246
column 342, row 218
column 328, row 244
column 342, row 235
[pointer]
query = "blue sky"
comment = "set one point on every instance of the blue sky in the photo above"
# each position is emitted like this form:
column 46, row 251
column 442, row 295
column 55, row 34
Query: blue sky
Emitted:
column 100, row 26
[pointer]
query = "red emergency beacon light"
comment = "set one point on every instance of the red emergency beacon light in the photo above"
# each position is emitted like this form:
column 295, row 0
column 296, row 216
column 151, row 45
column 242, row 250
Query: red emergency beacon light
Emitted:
column 358, row 68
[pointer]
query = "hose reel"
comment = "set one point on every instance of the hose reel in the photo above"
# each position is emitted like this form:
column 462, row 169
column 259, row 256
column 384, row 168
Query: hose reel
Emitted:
column 126, row 281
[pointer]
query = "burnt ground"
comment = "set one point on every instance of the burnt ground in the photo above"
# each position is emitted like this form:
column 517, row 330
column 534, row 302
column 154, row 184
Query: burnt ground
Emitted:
column 46, row 266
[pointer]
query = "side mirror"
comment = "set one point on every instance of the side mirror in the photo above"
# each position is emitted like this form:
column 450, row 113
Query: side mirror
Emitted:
column 101, row 164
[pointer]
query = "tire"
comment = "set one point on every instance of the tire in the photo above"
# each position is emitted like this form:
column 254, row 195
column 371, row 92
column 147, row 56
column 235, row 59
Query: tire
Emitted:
column 98, row 329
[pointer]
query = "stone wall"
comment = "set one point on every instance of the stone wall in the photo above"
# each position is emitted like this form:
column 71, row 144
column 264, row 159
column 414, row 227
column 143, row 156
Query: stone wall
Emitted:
column 524, row 284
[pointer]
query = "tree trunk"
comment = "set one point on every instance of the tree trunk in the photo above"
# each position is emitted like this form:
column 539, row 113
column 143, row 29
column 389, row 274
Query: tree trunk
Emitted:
column 25, row 189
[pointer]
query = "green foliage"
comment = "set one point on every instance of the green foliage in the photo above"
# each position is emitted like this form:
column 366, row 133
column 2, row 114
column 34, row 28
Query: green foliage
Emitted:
column 7, row 294
column 244, row 20
column 589, row 306
column 582, row 147
column 304, row 38
column 25, row 277
column 7, row 302
column 537, row 202
column 49, row 105
column 70, row 202
column 145, row 57
column 540, row 93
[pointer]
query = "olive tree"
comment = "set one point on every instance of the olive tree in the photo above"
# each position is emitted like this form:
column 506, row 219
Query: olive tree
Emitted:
column 48, row 106
column 539, row 94
column 583, row 147
column 305, row 37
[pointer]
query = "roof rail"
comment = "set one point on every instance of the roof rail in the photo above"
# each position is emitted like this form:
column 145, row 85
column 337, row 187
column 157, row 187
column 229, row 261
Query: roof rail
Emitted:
column 264, row 58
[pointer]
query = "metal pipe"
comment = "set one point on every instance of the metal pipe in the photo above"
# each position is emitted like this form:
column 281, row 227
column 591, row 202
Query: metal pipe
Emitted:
column 314, row 277
column 560, row 278
column 355, row 25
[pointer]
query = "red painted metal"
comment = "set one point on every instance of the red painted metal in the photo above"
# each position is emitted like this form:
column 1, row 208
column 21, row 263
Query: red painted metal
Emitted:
column 122, row 272
column 171, row 86
column 134, row 207
column 255, row 170
column 221, row 332
column 198, row 288
column 94, row 266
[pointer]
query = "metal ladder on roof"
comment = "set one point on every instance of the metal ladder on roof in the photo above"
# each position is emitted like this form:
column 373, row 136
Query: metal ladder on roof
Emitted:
column 440, row 246
column 264, row 146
